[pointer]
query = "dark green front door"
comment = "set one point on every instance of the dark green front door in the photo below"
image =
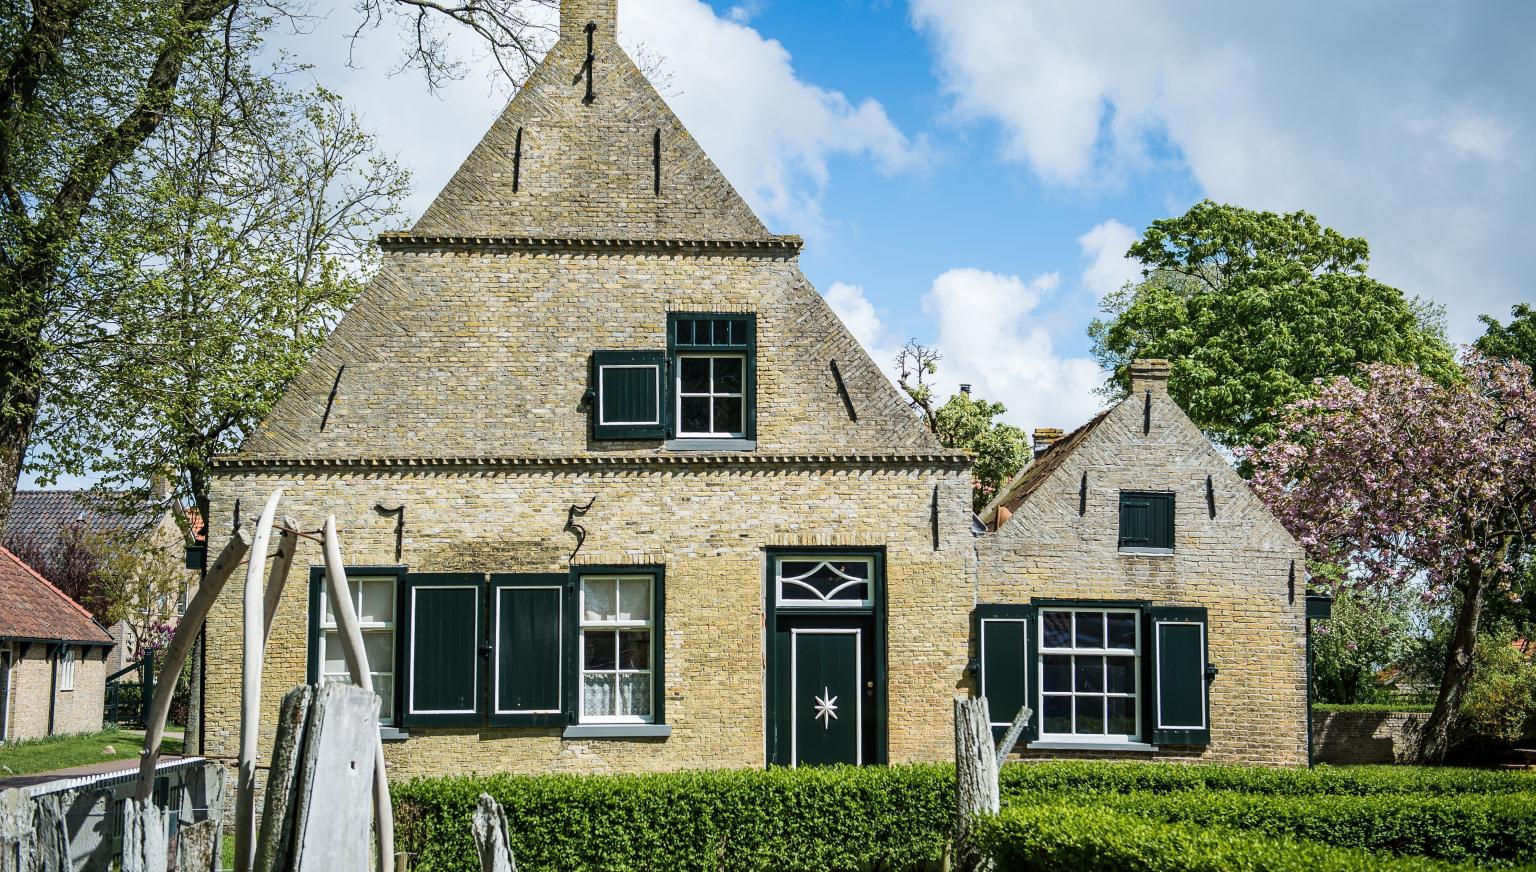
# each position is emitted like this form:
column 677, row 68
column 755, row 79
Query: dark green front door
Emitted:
column 823, row 701
column 826, row 701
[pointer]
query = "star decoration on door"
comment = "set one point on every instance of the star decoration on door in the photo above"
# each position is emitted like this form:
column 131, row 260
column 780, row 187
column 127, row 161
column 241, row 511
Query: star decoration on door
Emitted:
column 826, row 708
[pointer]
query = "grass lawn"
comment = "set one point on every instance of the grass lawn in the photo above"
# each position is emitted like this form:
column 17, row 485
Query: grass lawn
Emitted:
column 61, row 752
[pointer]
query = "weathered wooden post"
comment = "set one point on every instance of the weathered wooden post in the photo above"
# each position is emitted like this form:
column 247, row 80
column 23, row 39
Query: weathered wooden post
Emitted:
column 250, row 689
column 32, row 836
column 329, row 821
column 977, row 767
column 340, row 597
column 491, row 840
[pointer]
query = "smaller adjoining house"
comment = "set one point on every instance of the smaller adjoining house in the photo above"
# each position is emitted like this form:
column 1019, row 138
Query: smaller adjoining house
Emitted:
column 1137, row 596
column 41, row 519
column 53, row 657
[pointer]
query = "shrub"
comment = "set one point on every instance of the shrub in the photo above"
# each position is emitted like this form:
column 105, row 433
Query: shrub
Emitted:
column 1090, row 839
column 1129, row 777
column 1488, row 829
column 897, row 817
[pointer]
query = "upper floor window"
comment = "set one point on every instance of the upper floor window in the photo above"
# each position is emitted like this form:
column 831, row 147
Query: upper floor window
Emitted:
column 701, row 390
column 1146, row 521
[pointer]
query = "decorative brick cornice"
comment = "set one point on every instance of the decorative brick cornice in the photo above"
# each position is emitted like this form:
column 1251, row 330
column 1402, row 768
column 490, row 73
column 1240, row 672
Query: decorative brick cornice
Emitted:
column 772, row 246
column 628, row 461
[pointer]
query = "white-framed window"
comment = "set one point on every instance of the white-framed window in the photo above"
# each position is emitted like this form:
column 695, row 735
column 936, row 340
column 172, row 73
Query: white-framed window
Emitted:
column 1090, row 674
column 67, row 668
column 710, row 391
column 616, row 636
column 815, row 581
column 373, row 598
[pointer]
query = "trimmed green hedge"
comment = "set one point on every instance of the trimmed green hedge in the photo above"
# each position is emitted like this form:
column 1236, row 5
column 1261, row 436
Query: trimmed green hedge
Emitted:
column 900, row 817
column 1129, row 777
column 1097, row 839
column 1487, row 829
column 896, row 817
column 1382, row 707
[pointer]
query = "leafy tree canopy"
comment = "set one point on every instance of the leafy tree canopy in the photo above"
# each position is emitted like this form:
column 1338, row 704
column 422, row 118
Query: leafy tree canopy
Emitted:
column 1513, row 341
column 1252, row 307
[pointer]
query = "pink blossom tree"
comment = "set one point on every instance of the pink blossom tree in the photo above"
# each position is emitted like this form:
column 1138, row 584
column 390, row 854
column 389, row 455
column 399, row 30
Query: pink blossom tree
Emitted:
column 1396, row 477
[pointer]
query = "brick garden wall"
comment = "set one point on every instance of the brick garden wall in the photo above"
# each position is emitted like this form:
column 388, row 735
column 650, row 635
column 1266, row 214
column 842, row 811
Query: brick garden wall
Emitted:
column 1366, row 737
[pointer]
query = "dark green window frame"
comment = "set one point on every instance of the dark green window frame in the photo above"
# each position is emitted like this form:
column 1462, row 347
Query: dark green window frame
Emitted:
column 317, row 610
column 713, row 333
column 1146, row 520
column 573, row 654
column 1173, row 699
column 629, row 395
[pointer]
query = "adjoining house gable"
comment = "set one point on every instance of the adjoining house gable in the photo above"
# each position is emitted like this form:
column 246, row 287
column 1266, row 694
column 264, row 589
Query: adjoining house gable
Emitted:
column 1050, row 489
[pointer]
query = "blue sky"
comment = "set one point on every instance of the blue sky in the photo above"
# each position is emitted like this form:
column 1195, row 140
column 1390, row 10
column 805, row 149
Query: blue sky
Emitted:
column 969, row 172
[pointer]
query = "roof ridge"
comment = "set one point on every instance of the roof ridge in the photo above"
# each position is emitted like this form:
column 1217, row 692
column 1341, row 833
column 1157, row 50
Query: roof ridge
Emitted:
column 51, row 586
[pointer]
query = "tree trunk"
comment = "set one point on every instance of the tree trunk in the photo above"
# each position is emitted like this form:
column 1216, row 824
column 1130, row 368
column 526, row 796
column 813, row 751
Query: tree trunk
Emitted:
column 976, row 793
column 1436, row 741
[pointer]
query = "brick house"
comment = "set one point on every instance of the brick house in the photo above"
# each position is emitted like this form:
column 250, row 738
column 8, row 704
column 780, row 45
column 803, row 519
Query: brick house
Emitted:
column 53, row 657
column 1139, row 598
column 618, row 491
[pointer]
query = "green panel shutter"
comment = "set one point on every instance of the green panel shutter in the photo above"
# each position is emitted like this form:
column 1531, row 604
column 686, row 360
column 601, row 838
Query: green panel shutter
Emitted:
column 444, row 629
column 529, row 633
column 1181, row 706
column 628, row 394
column 1146, row 520
column 1004, row 640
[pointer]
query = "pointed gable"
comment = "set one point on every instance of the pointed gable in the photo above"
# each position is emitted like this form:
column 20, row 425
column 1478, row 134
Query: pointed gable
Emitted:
column 477, row 338
column 617, row 166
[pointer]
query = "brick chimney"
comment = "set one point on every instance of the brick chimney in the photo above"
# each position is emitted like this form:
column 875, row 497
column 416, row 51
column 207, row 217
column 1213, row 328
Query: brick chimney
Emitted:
column 574, row 15
column 1045, row 437
column 1149, row 374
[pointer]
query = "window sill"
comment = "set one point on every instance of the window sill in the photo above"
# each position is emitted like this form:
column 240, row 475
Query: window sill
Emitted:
column 393, row 734
column 1148, row 552
column 711, row 444
column 617, row 731
column 1091, row 746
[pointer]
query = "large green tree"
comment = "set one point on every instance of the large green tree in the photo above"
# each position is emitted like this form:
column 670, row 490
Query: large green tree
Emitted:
column 84, row 88
column 1252, row 307
column 253, row 216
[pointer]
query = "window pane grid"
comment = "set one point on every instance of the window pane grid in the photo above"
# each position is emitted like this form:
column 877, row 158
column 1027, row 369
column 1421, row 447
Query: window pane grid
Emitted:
column 1090, row 674
column 615, row 645
column 710, row 391
column 373, row 600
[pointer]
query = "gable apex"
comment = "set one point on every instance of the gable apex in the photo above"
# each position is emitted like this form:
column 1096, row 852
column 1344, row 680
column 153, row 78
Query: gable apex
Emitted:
column 587, row 149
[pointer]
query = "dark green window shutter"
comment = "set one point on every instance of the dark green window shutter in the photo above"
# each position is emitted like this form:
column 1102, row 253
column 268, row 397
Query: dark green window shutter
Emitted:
column 629, row 390
column 1181, row 704
column 444, row 630
column 528, row 632
column 1006, row 643
column 1146, row 520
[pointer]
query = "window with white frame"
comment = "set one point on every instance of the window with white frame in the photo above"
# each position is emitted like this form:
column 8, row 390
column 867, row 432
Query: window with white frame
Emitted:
column 67, row 668
column 373, row 598
column 710, row 395
column 1090, row 674
column 617, row 622
column 824, row 582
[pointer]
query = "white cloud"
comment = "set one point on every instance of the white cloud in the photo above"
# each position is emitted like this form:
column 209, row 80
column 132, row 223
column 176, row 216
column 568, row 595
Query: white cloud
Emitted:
column 985, row 334
column 1405, row 123
column 1108, row 268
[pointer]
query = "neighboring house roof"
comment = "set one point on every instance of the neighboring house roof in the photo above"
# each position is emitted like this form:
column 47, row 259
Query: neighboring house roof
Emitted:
column 32, row 608
column 1037, row 471
column 42, row 516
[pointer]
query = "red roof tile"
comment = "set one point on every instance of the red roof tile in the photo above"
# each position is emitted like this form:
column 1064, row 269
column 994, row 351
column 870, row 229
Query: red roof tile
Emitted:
column 32, row 608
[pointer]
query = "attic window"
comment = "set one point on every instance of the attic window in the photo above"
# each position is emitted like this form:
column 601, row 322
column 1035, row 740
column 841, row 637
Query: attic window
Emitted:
column 713, row 375
column 1146, row 522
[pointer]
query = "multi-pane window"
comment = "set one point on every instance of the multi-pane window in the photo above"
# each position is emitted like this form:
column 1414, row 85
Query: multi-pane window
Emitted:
column 616, row 628
column 67, row 668
column 1090, row 674
column 373, row 598
column 833, row 582
column 710, row 395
